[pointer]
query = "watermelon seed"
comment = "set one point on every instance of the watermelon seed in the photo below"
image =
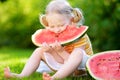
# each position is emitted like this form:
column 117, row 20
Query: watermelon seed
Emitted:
column 109, row 59
column 98, row 64
column 56, row 35
column 119, row 65
column 117, row 58
column 92, row 60
column 104, row 59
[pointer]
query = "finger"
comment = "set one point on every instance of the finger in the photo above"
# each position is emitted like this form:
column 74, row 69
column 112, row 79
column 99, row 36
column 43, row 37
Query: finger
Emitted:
column 52, row 45
column 43, row 44
column 48, row 45
column 44, row 73
column 7, row 69
column 58, row 43
column 46, row 76
column 55, row 43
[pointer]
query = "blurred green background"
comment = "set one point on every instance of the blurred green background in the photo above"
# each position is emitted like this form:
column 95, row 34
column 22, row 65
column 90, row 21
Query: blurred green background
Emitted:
column 19, row 20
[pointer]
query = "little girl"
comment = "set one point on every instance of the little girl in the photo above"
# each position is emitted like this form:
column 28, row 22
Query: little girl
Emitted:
column 65, row 60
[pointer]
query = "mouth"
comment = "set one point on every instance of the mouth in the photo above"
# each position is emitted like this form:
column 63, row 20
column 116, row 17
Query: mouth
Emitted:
column 58, row 32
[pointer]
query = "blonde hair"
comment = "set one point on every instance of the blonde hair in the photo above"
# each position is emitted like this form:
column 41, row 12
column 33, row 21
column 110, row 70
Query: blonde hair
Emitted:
column 60, row 7
column 64, row 8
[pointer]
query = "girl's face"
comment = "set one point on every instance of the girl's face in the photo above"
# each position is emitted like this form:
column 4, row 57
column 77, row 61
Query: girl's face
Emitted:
column 56, row 22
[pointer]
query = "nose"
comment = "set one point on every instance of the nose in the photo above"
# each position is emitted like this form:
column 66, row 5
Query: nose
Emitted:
column 57, row 30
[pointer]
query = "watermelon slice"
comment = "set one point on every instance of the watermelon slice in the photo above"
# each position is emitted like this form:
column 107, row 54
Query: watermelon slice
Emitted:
column 68, row 35
column 105, row 65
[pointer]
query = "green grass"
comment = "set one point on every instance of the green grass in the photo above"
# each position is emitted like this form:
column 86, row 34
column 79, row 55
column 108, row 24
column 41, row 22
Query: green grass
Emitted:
column 16, row 59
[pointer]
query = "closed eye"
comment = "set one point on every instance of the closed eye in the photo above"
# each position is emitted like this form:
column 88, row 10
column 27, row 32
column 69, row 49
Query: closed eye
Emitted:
column 61, row 25
column 51, row 26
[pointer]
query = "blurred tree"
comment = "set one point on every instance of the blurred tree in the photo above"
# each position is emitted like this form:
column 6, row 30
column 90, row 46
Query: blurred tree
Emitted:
column 19, row 20
column 111, row 25
column 103, row 19
column 3, row 0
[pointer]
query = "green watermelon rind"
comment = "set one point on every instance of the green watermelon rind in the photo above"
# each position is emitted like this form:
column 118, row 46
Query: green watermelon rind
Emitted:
column 33, row 37
column 62, row 43
column 92, row 56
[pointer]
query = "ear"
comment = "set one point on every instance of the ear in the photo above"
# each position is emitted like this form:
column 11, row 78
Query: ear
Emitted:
column 43, row 20
column 77, row 15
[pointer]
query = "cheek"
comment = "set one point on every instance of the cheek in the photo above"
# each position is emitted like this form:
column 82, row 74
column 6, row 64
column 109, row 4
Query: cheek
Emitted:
column 49, row 28
column 52, row 29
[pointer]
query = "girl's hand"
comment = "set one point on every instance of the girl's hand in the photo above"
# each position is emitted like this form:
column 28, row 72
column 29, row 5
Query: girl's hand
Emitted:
column 57, row 46
column 46, row 76
column 46, row 48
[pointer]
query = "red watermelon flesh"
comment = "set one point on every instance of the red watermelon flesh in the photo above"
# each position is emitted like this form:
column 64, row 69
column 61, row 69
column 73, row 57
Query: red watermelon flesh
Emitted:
column 69, row 34
column 105, row 65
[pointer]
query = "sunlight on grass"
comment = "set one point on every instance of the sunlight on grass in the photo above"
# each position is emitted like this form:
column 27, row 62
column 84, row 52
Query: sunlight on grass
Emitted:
column 16, row 59
column 13, row 61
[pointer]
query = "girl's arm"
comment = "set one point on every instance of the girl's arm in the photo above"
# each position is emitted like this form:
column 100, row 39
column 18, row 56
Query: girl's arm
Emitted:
column 60, row 50
column 70, row 65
